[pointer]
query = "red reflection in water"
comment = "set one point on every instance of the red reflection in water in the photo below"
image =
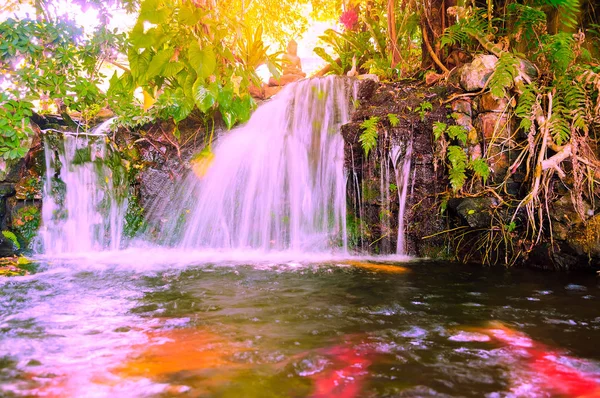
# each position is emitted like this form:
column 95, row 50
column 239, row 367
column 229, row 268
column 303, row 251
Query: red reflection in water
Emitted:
column 346, row 377
column 550, row 366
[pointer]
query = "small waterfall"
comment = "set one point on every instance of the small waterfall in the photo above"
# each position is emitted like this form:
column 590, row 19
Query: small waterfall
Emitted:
column 401, row 156
column 81, row 210
column 276, row 183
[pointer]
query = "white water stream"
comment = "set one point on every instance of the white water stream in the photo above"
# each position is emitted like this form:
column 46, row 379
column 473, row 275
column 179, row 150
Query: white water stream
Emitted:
column 80, row 212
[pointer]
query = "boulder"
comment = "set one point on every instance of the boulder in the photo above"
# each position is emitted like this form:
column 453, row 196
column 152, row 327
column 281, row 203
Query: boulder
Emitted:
column 462, row 106
column 475, row 75
column 488, row 103
column 585, row 239
column 474, row 211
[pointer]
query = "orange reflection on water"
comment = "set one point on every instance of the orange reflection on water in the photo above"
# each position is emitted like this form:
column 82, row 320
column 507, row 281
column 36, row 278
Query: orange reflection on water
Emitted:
column 393, row 269
column 190, row 354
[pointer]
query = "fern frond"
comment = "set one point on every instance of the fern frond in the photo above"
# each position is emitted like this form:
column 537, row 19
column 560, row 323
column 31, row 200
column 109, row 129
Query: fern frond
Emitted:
column 559, row 50
column 368, row 137
column 480, row 168
column 524, row 110
column 529, row 22
column 560, row 126
column 503, row 78
column 568, row 9
column 576, row 100
column 458, row 132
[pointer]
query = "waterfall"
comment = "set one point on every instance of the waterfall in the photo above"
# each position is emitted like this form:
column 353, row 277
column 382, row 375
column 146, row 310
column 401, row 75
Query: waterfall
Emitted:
column 81, row 210
column 401, row 156
column 275, row 183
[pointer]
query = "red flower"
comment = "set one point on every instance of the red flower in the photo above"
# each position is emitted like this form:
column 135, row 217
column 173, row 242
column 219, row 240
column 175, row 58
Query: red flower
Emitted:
column 349, row 19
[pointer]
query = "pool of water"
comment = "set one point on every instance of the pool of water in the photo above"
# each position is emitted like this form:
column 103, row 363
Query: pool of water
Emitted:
column 281, row 328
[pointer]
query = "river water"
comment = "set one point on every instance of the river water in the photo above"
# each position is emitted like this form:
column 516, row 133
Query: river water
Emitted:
column 150, row 323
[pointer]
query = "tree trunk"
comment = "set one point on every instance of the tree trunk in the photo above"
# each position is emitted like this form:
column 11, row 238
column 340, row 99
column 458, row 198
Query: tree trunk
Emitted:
column 434, row 20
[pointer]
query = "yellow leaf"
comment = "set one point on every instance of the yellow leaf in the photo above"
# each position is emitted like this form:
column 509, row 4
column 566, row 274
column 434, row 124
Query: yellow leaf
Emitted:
column 23, row 260
column 148, row 100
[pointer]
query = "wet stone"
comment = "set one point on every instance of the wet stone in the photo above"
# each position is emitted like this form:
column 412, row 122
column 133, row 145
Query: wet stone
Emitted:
column 463, row 106
column 475, row 75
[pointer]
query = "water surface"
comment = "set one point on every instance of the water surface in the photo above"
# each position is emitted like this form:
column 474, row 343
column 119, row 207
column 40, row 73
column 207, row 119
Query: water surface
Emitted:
column 281, row 328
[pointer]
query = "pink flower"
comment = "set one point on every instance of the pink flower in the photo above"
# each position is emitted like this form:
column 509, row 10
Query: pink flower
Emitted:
column 349, row 19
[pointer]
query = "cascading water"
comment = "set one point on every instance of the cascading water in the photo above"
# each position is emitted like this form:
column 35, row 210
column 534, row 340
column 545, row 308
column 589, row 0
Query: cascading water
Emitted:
column 81, row 210
column 276, row 183
column 401, row 160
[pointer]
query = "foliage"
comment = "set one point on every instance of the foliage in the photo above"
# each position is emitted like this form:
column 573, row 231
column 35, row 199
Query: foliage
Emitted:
column 13, row 238
column 503, row 78
column 26, row 222
column 15, row 129
column 368, row 138
column 382, row 46
column 188, row 60
column 458, row 162
column 393, row 119
column 423, row 108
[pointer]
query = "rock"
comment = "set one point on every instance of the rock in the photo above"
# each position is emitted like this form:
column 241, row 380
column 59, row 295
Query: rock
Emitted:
column 475, row 211
column 462, row 106
column 366, row 89
column 488, row 103
column 11, row 172
column 547, row 257
column 475, row 75
column 463, row 120
column 7, row 190
column 368, row 76
column 7, row 249
column 495, row 130
column 528, row 69
column 585, row 239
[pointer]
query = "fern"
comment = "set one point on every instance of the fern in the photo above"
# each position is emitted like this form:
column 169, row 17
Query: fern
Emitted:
column 458, row 132
column 525, row 106
column 559, row 51
column 503, row 78
column 569, row 10
column 461, row 33
column 458, row 164
column 560, row 128
column 576, row 99
column 529, row 22
column 368, row 137
column 480, row 168
column 439, row 128
column 393, row 119
column 423, row 108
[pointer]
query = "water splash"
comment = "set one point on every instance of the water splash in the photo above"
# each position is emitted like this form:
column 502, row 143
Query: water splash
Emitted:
column 276, row 183
column 81, row 210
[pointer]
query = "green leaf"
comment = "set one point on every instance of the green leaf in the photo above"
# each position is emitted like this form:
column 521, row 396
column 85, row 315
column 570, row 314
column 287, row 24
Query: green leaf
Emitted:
column 480, row 168
column 158, row 62
column 172, row 68
column 368, row 137
column 439, row 128
column 457, row 156
column 458, row 132
column 13, row 238
column 393, row 119
column 203, row 98
column 203, row 61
